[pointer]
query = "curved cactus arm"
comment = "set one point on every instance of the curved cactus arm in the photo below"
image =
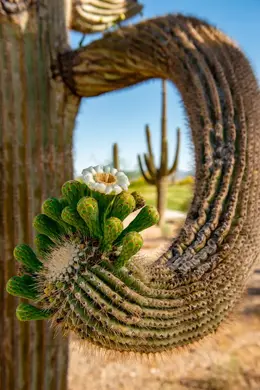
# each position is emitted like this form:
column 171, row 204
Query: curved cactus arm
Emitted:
column 205, row 270
column 150, row 149
column 177, row 152
column 149, row 165
column 92, row 16
column 146, row 177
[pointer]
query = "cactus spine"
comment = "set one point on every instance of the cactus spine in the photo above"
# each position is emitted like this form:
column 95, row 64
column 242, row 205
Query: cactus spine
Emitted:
column 116, row 157
column 159, row 176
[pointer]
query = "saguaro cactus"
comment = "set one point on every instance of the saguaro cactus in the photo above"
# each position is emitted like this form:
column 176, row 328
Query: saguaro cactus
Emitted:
column 37, row 116
column 160, row 176
column 153, row 306
column 116, row 157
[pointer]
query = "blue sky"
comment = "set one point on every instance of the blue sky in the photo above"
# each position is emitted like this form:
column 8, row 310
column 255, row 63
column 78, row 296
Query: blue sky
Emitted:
column 121, row 116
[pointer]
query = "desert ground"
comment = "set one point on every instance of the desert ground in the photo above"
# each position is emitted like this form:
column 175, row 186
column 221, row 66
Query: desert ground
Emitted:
column 228, row 360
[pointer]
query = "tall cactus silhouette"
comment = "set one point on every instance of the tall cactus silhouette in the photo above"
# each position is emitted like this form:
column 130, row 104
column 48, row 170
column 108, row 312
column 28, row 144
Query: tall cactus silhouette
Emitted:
column 160, row 176
column 37, row 117
column 116, row 163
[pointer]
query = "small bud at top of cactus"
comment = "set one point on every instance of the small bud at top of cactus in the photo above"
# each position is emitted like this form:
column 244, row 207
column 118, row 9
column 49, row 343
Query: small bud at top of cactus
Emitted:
column 105, row 179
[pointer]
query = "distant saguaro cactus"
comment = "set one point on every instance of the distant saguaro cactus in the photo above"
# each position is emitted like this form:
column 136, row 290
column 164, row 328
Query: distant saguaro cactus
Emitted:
column 159, row 176
column 116, row 157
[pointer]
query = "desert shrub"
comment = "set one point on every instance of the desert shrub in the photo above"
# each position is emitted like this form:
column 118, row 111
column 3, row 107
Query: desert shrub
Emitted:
column 186, row 180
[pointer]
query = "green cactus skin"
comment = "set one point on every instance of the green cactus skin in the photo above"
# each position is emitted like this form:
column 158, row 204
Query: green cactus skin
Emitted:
column 89, row 211
column 146, row 218
column 159, row 176
column 71, row 216
column 25, row 255
column 116, row 157
column 73, row 191
column 112, row 229
column 52, row 207
column 64, row 285
column 131, row 244
column 123, row 205
column 22, row 286
column 26, row 312
column 139, row 200
column 43, row 245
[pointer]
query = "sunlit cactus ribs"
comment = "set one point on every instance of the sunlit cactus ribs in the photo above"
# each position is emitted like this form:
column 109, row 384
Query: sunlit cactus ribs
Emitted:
column 78, row 234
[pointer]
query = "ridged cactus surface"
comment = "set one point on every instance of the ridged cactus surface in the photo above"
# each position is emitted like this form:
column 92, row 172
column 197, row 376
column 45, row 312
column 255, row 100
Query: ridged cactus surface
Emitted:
column 37, row 117
column 195, row 284
column 79, row 236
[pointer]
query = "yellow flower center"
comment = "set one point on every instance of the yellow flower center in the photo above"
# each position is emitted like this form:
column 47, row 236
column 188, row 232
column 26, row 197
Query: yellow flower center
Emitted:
column 106, row 178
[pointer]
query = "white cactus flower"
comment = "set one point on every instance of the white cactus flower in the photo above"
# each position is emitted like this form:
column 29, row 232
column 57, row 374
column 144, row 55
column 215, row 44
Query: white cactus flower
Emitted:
column 105, row 179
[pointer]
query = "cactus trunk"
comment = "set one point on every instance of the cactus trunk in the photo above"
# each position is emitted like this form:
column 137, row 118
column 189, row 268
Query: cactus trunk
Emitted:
column 161, row 189
column 36, row 123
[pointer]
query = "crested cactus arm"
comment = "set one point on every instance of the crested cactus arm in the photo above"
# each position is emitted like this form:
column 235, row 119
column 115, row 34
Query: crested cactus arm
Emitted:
column 149, row 165
column 206, row 267
column 177, row 152
column 95, row 16
column 148, row 179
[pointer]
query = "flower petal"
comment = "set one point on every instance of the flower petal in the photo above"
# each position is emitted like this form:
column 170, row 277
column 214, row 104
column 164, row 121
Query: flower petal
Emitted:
column 100, row 187
column 120, row 173
column 124, row 186
column 88, row 178
column 121, row 179
column 99, row 168
column 117, row 189
column 89, row 170
column 92, row 185
column 107, row 168
column 108, row 190
column 113, row 171
column 85, row 171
